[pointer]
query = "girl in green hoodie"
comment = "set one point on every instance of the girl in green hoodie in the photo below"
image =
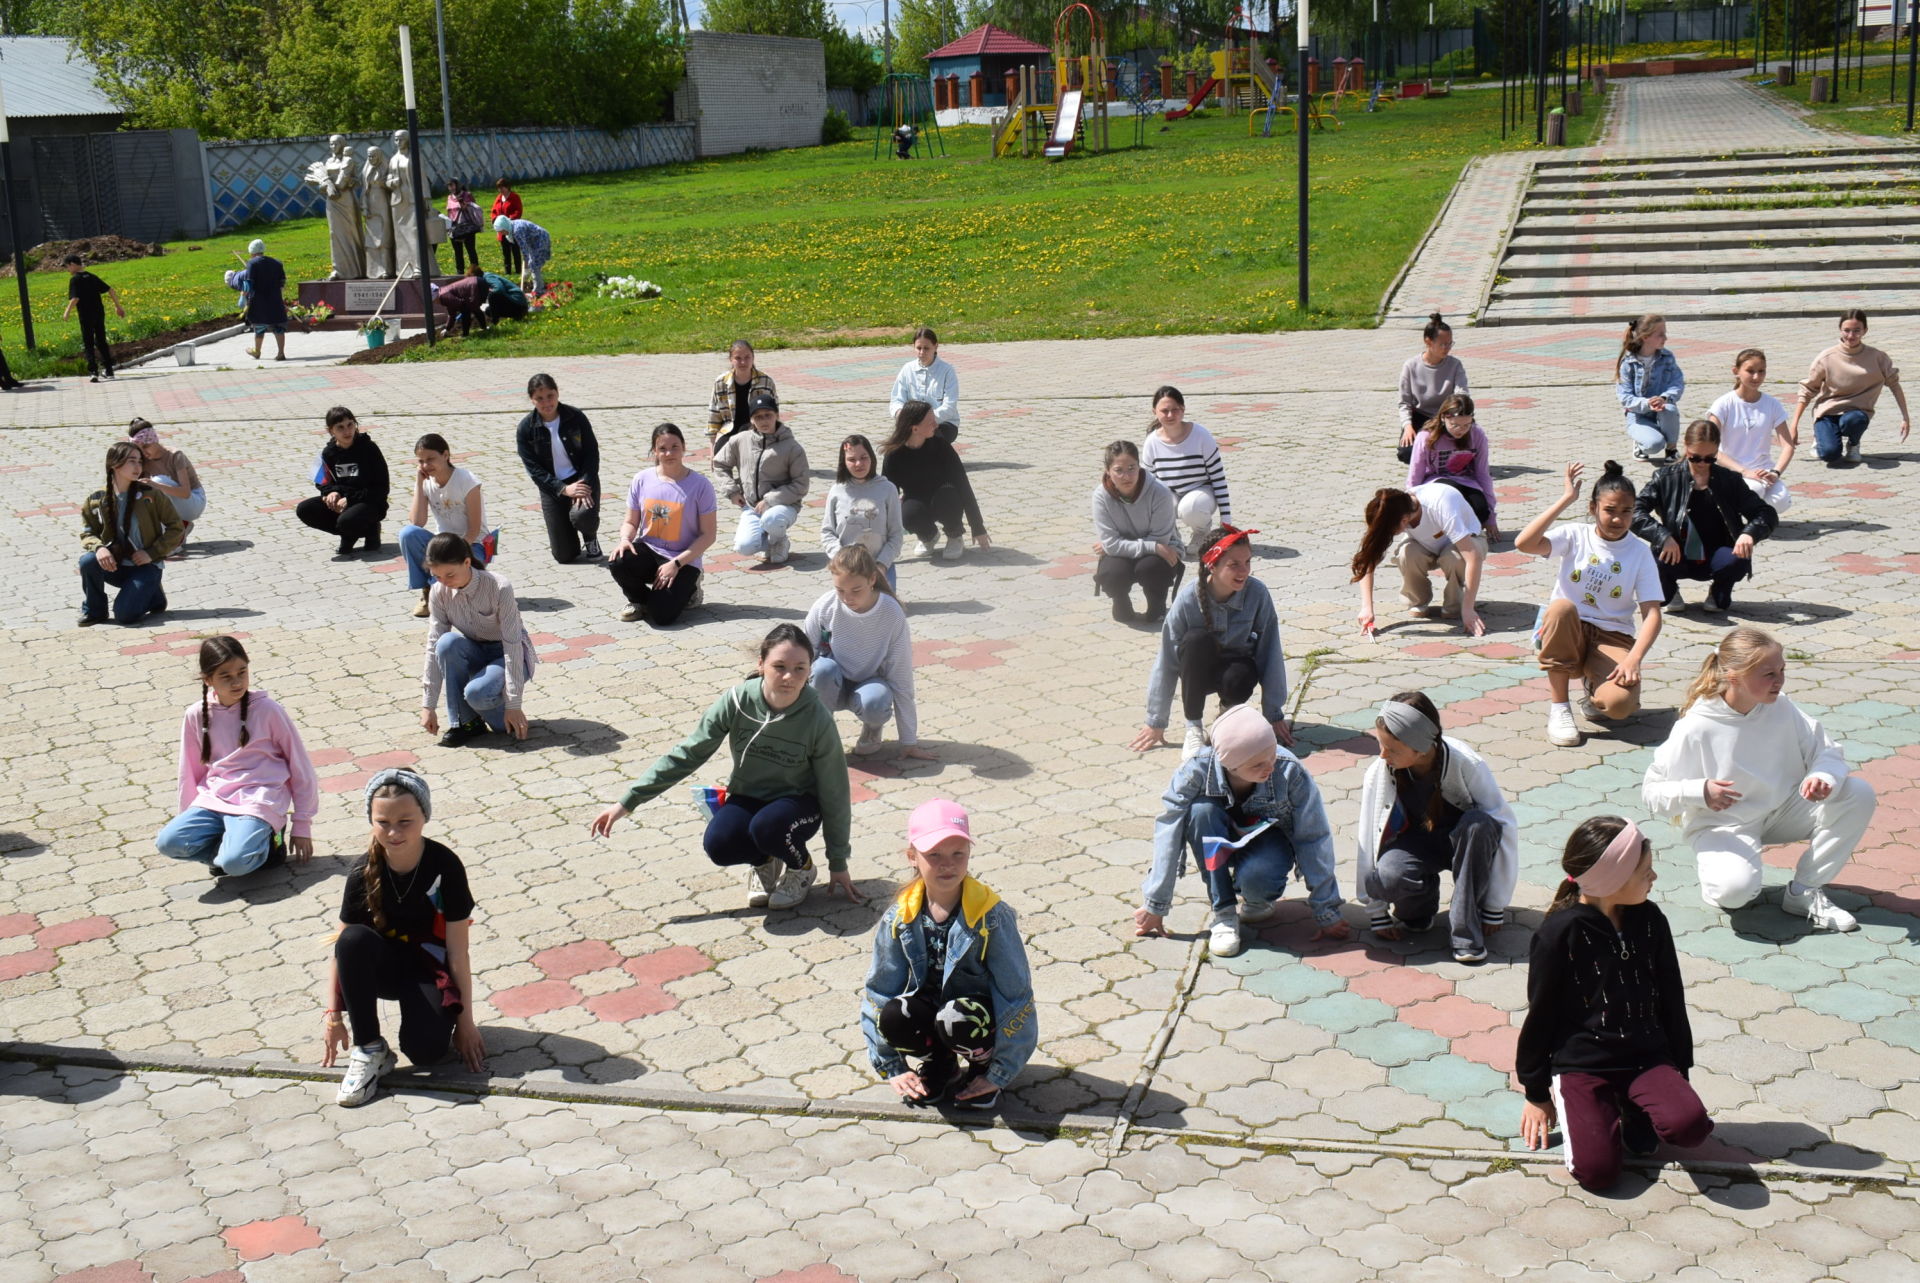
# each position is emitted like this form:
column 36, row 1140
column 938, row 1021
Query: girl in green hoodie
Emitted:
column 789, row 778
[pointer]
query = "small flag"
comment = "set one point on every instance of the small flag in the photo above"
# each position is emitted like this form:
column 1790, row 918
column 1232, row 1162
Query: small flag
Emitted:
column 1215, row 852
column 321, row 476
column 708, row 799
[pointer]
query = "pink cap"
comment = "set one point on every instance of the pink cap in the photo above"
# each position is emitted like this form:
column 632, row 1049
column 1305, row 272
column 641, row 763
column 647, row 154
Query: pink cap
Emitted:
column 933, row 822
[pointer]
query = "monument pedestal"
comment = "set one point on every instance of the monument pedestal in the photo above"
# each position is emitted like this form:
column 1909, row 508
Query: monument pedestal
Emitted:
column 354, row 301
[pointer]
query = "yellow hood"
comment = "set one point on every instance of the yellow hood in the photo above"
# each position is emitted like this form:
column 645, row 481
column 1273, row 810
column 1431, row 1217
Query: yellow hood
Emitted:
column 976, row 898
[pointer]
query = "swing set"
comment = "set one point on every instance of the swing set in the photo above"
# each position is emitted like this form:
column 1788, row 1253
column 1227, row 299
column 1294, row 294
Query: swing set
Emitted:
column 910, row 125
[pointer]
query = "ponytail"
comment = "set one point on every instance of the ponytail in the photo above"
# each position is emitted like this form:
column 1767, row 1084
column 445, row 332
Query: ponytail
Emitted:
column 1385, row 512
column 1630, row 341
column 1740, row 650
column 1587, row 843
column 206, row 728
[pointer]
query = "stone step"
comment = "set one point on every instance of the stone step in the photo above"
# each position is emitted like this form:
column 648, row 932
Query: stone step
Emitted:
column 1605, row 223
column 1706, row 201
column 1818, row 305
column 1659, row 261
column 1804, row 185
column 1837, row 236
column 1683, row 283
column 1557, row 164
column 1737, row 166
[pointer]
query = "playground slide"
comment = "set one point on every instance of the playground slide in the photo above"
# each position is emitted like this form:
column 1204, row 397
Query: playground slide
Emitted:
column 1065, row 124
column 1265, row 77
column 1194, row 102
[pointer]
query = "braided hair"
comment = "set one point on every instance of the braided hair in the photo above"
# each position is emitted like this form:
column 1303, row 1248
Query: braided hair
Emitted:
column 373, row 877
column 215, row 651
column 119, row 454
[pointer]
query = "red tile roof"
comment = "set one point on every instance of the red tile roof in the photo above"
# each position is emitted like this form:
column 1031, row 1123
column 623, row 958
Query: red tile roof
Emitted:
column 987, row 38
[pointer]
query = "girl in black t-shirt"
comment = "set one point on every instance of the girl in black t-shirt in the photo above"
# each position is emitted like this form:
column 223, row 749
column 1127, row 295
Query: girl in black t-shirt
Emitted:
column 403, row 936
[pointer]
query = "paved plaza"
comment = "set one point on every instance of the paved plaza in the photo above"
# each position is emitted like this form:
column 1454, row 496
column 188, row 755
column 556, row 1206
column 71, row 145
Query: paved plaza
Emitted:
column 678, row 1087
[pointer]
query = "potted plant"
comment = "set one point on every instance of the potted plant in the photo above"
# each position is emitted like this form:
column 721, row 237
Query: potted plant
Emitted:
column 375, row 328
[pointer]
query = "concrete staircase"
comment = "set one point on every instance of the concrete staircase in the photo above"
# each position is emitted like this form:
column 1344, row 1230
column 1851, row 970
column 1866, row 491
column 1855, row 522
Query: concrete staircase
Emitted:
column 1714, row 237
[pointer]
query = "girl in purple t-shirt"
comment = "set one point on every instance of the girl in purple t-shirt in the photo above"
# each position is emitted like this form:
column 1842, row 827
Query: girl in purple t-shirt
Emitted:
column 670, row 522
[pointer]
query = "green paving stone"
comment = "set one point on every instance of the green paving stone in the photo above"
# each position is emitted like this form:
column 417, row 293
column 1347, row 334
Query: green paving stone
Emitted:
column 1902, row 1030
column 1341, row 1012
column 1734, row 950
column 1845, row 952
column 1496, row 1113
column 1294, row 984
column 1449, row 1078
column 1890, row 975
column 1393, row 1044
column 1788, row 972
column 1854, row 1002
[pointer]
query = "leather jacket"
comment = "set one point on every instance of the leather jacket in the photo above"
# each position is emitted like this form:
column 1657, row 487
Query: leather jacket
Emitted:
column 1660, row 513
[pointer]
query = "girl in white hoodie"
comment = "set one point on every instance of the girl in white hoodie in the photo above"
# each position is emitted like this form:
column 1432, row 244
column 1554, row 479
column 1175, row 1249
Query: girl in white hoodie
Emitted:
column 1745, row 768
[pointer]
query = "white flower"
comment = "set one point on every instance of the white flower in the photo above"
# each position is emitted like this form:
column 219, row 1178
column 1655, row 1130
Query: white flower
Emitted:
column 628, row 287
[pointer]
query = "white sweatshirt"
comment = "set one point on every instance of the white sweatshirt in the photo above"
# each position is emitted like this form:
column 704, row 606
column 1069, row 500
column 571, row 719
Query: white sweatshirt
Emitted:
column 870, row 646
column 937, row 384
column 1767, row 754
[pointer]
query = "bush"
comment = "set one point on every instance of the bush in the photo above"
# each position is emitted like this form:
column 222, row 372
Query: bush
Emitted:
column 836, row 128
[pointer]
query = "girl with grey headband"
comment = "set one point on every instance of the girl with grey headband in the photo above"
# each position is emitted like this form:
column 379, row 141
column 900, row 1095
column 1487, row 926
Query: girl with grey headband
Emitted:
column 1430, row 805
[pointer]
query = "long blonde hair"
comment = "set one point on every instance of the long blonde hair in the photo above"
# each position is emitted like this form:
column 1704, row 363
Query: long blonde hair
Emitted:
column 855, row 559
column 1739, row 651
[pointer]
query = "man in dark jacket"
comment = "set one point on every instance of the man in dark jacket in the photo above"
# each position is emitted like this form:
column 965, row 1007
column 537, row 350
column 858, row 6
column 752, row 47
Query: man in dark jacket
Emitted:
column 560, row 453
column 1701, row 520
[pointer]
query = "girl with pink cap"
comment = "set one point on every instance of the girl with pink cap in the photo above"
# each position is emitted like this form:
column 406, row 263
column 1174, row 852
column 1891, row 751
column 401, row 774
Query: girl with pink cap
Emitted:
column 1250, row 814
column 1606, row 1045
column 949, row 986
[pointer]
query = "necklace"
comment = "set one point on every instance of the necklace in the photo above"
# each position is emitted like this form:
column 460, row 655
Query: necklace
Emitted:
column 413, row 876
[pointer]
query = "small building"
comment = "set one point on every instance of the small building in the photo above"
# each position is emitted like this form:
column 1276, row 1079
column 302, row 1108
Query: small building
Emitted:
column 993, row 53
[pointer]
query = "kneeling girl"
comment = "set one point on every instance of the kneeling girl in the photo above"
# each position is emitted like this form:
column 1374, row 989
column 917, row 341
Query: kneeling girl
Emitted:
column 948, row 985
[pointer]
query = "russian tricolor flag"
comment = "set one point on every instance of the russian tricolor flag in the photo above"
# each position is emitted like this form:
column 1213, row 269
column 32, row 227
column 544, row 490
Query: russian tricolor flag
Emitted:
column 1215, row 852
column 321, row 476
column 708, row 799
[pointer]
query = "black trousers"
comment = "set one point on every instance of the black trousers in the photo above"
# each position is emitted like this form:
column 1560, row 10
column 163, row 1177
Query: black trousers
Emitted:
column 568, row 525
column 1404, row 453
column 464, row 252
column 941, row 510
column 464, row 320
column 947, row 432
column 509, row 258
column 1476, row 500
column 354, row 522
column 1719, row 565
column 1206, row 669
column 634, row 573
column 920, row 1026
column 93, row 337
column 746, row 830
column 1117, row 575
column 373, row 967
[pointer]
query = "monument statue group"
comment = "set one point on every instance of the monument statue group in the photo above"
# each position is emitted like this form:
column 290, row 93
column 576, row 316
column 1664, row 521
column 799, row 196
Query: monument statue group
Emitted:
column 371, row 218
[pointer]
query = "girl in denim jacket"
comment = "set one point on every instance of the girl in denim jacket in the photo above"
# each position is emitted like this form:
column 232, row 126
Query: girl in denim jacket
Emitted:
column 1244, row 787
column 1649, row 384
column 948, row 985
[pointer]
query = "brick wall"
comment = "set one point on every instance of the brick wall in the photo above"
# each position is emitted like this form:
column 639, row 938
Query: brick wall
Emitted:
column 752, row 91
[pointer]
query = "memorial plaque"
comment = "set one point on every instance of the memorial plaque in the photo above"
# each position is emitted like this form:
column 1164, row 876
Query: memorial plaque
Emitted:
column 365, row 296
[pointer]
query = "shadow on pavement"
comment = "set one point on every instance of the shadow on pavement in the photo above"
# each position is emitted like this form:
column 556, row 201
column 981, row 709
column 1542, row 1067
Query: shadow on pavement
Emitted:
column 217, row 547
column 576, row 736
column 18, row 845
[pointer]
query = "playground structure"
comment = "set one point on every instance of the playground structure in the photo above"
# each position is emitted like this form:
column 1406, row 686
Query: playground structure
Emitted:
column 1073, row 111
column 907, row 104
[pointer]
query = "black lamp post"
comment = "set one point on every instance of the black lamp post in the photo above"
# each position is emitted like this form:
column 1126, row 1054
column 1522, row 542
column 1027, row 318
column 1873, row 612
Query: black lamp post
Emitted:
column 1301, row 116
column 423, row 249
column 19, row 251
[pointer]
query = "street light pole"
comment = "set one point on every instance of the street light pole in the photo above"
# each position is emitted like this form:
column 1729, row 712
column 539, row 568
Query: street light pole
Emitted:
column 1300, row 115
column 446, row 100
column 1913, row 57
column 422, row 248
column 19, row 252
column 886, row 37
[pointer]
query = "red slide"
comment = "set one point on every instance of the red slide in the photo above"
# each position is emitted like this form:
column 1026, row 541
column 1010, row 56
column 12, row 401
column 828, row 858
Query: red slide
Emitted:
column 1195, row 101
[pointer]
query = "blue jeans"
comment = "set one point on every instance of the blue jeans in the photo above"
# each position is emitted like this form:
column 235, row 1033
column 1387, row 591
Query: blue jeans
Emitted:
column 1256, row 872
column 1658, row 437
column 234, row 844
column 413, row 550
column 190, row 507
column 871, row 702
column 1831, row 432
column 476, row 678
column 757, row 530
column 139, row 589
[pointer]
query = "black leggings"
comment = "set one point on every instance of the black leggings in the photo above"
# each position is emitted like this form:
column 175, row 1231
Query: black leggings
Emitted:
column 746, row 830
column 1205, row 669
column 372, row 967
column 1117, row 575
column 918, row 1025
column 464, row 253
column 942, row 510
column 509, row 258
column 634, row 573
column 93, row 337
column 1476, row 500
column 352, row 523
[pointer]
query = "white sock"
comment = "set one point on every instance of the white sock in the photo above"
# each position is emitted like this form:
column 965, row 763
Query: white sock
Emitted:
column 1560, row 706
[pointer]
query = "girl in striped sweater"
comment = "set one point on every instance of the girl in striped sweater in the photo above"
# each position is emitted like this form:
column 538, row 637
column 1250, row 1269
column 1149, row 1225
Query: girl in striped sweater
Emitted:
column 1183, row 457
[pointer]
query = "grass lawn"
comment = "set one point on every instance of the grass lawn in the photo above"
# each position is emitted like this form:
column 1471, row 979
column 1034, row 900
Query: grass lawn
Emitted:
column 1865, row 110
column 1192, row 234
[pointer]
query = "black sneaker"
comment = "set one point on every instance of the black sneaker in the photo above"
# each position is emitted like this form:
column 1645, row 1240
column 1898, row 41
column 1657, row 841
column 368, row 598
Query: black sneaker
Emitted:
column 980, row 1103
column 159, row 606
column 1719, row 602
column 1637, row 1135
column 455, row 736
column 345, row 551
column 937, row 1075
column 373, row 542
column 276, row 853
column 1122, row 609
column 88, row 621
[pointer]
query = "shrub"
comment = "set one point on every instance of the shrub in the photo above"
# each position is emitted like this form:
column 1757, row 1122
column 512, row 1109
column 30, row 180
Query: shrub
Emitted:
column 836, row 128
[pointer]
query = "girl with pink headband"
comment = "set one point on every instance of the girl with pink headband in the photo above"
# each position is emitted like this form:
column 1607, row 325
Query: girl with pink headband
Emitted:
column 1606, row 1045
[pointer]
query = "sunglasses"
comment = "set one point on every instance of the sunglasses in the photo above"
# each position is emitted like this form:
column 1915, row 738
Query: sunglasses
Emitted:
column 1703, row 458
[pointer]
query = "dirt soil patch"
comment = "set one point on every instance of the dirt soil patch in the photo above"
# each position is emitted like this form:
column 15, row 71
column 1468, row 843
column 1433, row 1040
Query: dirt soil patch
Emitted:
column 391, row 350
column 50, row 256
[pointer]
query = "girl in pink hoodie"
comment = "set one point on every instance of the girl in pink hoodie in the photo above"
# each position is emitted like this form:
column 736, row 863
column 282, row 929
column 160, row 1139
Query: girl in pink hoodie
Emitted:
column 242, row 768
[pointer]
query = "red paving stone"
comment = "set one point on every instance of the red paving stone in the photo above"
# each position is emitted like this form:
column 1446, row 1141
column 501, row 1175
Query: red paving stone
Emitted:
column 32, row 962
column 1074, row 565
column 576, row 959
column 668, row 965
column 18, row 924
column 63, row 934
column 1493, row 1047
column 1351, row 959
column 821, row 1273
column 1400, row 986
column 118, row 1272
column 535, row 999
column 279, row 1237
column 630, row 1004
column 1454, row 1016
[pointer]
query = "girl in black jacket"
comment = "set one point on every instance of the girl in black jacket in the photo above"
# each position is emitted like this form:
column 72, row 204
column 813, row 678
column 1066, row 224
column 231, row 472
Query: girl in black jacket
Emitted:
column 352, row 481
column 933, row 485
column 1702, row 519
column 1606, row 1045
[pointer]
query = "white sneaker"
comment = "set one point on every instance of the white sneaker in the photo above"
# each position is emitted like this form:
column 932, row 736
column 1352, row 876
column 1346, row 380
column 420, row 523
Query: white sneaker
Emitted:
column 778, row 550
column 926, row 549
column 1819, row 911
column 761, row 880
column 366, row 1066
column 1195, row 741
column 1223, row 937
column 869, row 741
column 1560, row 727
column 632, row 612
column 791, row 890
column 1255, row 911
column 1590, row 710
column 699, row 597
column 953, row 549
column 1853, row 452
column 592, row 550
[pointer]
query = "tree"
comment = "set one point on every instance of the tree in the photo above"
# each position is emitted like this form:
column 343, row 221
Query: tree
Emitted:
column 921, row 27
